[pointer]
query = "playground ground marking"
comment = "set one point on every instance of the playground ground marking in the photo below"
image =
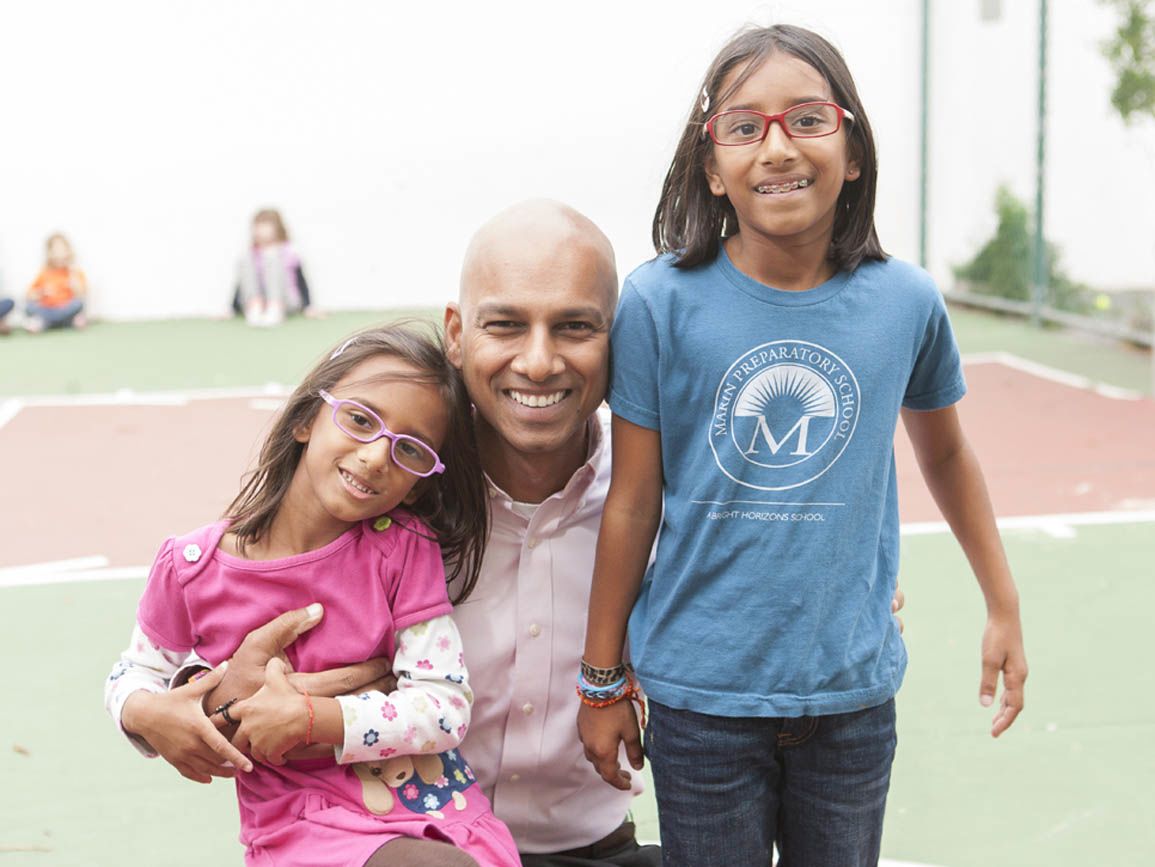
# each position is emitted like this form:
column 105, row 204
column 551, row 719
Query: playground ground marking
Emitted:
column 9, row 409
column 271, row 394
column 1053, row 374
column 1057, row 526
column 96, row 568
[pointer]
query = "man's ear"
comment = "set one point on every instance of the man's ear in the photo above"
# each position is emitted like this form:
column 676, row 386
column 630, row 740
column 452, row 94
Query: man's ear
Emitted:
column 453, row 333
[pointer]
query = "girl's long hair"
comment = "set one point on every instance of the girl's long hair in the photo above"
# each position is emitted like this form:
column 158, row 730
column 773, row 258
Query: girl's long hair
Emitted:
column 691, row 222
column 454, row 503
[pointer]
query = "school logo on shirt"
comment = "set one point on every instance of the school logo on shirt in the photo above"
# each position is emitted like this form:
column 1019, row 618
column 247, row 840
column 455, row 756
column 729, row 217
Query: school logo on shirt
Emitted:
column 784, row 413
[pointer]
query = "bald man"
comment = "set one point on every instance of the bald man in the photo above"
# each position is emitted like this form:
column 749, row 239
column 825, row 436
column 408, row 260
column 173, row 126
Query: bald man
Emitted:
column 530, row 334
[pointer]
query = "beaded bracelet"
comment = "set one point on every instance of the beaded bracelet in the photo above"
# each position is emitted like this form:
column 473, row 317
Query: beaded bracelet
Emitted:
column 604, row 696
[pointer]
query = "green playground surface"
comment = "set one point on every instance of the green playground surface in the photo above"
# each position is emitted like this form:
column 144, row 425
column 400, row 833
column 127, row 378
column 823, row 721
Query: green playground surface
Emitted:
column 1069, row 784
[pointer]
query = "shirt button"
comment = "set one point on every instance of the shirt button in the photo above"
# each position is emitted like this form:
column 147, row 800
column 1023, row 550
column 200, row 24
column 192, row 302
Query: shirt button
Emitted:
column 513, row 778
column 192, row 553
column 532, row 543
column 527, row 708
column 535, row 630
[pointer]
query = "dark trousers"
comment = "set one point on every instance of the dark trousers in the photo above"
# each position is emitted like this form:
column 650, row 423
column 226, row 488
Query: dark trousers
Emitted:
column 619, row 849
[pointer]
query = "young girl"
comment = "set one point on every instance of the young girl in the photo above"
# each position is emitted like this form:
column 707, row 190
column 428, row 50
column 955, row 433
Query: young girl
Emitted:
column 760, row 365
column 370, row 464
column 56, row 296
column 270, row 280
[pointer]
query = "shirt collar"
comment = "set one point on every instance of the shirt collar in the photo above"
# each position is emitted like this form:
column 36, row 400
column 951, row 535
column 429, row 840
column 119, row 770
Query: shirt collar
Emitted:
column 579, row 482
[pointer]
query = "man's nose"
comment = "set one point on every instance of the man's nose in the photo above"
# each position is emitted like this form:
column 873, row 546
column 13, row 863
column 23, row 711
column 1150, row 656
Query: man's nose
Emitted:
column 539, row 358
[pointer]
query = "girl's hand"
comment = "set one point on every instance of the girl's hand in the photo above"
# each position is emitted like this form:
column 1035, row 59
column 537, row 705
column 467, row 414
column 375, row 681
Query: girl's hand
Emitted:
column 1002, row 650
column 274, row 720
column 175, row 725
column 602, row 729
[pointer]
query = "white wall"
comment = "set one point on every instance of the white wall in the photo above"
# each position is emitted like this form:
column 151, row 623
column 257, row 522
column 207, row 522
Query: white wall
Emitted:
column 1100, row 175
column 150, row 132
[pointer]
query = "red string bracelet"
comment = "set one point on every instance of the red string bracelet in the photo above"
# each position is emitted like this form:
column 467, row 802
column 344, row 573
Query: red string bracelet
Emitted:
column 309, row 729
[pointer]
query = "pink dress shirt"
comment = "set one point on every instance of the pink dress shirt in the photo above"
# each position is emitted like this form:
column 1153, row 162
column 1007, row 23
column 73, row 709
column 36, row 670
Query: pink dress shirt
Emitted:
column 523, row 629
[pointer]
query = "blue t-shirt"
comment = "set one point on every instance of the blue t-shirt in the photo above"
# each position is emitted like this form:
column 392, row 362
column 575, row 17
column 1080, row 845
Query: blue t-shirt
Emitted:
column 778, row 549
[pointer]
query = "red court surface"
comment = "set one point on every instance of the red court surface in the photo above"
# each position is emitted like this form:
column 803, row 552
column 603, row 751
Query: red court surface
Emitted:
column 114, row 481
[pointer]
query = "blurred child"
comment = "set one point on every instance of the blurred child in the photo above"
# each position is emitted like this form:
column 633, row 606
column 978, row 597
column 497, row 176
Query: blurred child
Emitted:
column 56, row 297
column 270, row 282
column 6, row 305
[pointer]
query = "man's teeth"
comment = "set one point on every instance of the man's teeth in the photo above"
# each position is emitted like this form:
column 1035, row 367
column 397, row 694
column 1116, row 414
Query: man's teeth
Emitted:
column 354, row 483
column 536, row 400
column 783, row 188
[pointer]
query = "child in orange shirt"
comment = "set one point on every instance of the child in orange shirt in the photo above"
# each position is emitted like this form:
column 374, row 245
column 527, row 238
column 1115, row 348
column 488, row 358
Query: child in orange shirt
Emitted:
column 56, row 297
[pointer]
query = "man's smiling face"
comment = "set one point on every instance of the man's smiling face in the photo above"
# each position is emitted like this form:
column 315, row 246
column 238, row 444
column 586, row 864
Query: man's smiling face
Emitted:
column 531, row 331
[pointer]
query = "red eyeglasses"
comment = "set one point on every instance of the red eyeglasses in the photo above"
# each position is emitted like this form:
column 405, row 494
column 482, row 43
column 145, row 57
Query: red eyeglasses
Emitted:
column 746, row 126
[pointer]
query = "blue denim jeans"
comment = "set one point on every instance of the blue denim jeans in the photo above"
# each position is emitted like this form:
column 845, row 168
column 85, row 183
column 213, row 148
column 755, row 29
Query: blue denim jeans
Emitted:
column 55, row 317
column 729, row 788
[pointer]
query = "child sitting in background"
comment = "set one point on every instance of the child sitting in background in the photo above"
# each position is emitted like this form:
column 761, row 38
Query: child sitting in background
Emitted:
column 56, row 296
column 6, row 305
column 270, row 282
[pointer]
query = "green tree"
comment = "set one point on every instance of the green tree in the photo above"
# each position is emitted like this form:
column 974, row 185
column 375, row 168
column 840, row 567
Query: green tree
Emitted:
column 1003, row 266
column 1131, row 52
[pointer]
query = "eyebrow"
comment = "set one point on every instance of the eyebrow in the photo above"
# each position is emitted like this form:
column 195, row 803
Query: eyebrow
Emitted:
column 748, row 106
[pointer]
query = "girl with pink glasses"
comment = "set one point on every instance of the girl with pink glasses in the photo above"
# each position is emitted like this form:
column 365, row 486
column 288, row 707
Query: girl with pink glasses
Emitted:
column 367, row 483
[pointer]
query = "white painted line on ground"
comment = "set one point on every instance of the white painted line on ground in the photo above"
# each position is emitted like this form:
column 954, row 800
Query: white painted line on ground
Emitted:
column 9, row 409
column 17, row 578
column 1053, row 374
column 74, row 564
column 1058, row 526
column 129, row 397
column 270, row 404
column 96, row 568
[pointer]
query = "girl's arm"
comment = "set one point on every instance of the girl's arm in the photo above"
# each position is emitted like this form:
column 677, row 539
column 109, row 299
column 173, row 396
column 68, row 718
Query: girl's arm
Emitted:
column 428, row 712
column 169, row 723
column 953, row 475
column 629, row 523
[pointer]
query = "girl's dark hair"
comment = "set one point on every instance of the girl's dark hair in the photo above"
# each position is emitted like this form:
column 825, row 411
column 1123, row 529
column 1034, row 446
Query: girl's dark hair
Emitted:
column 691, row 222
column 454, row 503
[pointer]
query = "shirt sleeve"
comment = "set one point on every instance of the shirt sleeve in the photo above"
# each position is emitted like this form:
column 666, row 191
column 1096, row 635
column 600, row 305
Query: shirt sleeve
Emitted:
column 163, row 613
column 143, row 665
column 430, row 709
column 419, row 592
column 634, row 353
column 936, row 379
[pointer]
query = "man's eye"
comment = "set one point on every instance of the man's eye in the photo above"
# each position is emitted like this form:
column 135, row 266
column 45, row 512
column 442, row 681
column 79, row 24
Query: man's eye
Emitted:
column 502, row 325
column 577, row 326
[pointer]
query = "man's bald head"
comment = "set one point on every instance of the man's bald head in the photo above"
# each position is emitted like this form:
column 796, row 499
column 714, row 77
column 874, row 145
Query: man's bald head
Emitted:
column 531, row 336
column 543, row 235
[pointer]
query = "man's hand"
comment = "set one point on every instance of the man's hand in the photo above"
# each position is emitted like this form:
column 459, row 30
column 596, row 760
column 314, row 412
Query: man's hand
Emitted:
column 246, row 672
column 274, row 720
column 602, row 729
column 175, row 725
